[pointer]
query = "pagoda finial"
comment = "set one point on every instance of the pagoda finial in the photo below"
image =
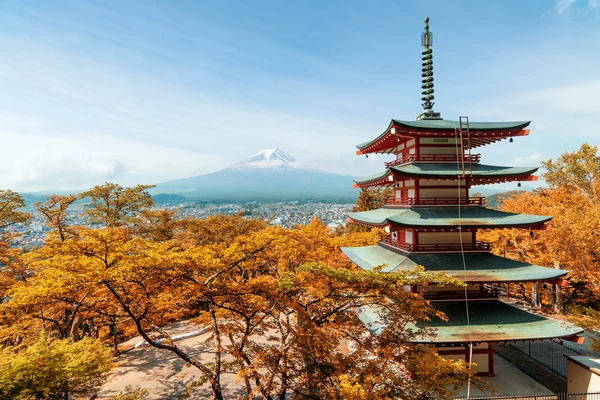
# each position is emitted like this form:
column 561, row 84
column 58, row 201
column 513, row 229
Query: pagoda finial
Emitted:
column 427, row 75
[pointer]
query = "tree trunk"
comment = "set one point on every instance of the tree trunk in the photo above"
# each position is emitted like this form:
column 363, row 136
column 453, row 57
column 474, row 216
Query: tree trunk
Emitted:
column 535, row 295
column 216, row 389
column 75, row 325
column 559, row 306
column 215, row 381
column 550, row 292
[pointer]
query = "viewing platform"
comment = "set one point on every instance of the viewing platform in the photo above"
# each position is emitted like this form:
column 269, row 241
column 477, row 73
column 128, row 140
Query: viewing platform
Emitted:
column 459, row 295
column 438, row 201
column 477, row 247
column 434, row 158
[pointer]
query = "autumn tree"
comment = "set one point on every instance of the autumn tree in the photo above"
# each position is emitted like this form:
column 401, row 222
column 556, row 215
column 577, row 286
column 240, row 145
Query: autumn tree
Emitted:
column 75, row 312
column 572, row 243
column 53, row 369
column 113, row 205
column 371, row 198
column 279, row 303
column 577, row 171
column 11, row 267
column 55, row 212
column 10, row 213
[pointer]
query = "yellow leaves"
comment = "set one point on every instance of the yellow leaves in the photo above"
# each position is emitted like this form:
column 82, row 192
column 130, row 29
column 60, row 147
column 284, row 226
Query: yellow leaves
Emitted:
column 351, row 389
column 112, row 205
column 53, row 368
column 10, row 203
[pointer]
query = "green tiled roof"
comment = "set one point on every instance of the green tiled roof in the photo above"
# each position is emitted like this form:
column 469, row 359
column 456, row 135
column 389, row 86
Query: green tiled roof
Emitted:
column 450, row 170
column 433, row 217
column 489, row 321
column 371, row 178
column 480, row 267
column 446, row 125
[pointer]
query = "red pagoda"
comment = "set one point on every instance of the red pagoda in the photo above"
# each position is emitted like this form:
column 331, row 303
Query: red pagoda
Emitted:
column 433, row 221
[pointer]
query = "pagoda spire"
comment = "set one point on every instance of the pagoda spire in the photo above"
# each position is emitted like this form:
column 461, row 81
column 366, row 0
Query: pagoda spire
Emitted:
column 427, row 75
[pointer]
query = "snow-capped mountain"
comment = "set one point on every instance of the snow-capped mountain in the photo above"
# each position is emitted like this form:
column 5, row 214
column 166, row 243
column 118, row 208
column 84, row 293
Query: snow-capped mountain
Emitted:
column 267, row 158
column 270, row 174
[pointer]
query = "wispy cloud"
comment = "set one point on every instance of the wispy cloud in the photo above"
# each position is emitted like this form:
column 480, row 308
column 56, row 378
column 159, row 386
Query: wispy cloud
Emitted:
column 563, row 5
column 527, row 161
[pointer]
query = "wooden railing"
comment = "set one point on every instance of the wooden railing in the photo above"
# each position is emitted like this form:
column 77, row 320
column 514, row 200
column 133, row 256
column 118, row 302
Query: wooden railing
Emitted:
column 460, row 295
column 434, row 158
column 437, row 247
column 438, row 201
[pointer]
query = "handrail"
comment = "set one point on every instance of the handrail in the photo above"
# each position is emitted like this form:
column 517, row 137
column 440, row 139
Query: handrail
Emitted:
column 436, row 201
column 459, row 295
column 435, row 247
column 440, row 158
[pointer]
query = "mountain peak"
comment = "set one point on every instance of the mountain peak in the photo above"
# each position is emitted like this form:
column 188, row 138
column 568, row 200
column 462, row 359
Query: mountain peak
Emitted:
column 267, row 158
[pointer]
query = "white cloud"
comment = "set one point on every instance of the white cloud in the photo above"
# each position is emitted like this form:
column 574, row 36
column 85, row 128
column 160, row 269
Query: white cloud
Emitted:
column 527, row 161
column 577, row 98
column 563, row 5
column 80, row 161
column 66, row 171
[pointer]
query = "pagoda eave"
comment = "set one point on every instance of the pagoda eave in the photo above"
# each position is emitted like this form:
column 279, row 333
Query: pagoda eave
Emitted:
column 477, row 268
column 473, row 174
column 480, row 134
column 444, row 218
column 489, row 321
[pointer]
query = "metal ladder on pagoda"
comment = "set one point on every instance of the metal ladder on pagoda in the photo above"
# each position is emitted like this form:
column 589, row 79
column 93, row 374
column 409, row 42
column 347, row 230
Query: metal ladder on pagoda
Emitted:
column 463, row 130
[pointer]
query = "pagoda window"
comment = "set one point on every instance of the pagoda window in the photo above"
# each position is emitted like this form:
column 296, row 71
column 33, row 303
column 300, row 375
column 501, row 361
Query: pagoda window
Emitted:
column 408, row 237
column 395, row 236
column 441, row 183
column 445, row 238
column 440, row 150
column 443, row 193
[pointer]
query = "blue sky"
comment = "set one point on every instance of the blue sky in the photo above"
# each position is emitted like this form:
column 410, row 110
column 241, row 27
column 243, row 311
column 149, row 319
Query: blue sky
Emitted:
column 143, row 92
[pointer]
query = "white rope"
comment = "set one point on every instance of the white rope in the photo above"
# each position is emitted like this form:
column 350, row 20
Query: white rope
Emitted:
column 462, row 251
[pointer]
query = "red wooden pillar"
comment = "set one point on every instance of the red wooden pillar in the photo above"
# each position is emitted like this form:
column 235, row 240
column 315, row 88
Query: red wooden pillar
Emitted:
column 416, row 191
column 417, row 147
column 415, row 235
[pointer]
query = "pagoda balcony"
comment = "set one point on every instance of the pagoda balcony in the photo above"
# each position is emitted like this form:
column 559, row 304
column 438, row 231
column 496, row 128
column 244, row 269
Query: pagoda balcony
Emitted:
column 436, row 201
column 434, row 158
column 477, row 247
column 459, row 295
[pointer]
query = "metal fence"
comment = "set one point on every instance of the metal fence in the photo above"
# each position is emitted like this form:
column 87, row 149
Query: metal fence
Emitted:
column 550, row 353
column 556, row 396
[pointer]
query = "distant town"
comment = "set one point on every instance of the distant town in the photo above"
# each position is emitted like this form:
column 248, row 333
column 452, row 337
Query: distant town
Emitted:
column 285, row 213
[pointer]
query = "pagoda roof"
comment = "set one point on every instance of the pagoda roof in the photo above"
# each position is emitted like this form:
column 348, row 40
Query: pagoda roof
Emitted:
column 444, row 171
column 445, row 217
column 480, row 268
column 480, row 133
column 489, row 321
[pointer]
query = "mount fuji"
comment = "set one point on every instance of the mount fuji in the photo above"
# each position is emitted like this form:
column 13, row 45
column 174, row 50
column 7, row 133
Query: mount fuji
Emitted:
column 270, row 174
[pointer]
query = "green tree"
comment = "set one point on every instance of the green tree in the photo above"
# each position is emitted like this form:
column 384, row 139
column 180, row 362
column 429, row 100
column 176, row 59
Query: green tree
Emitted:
column 53, row 369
